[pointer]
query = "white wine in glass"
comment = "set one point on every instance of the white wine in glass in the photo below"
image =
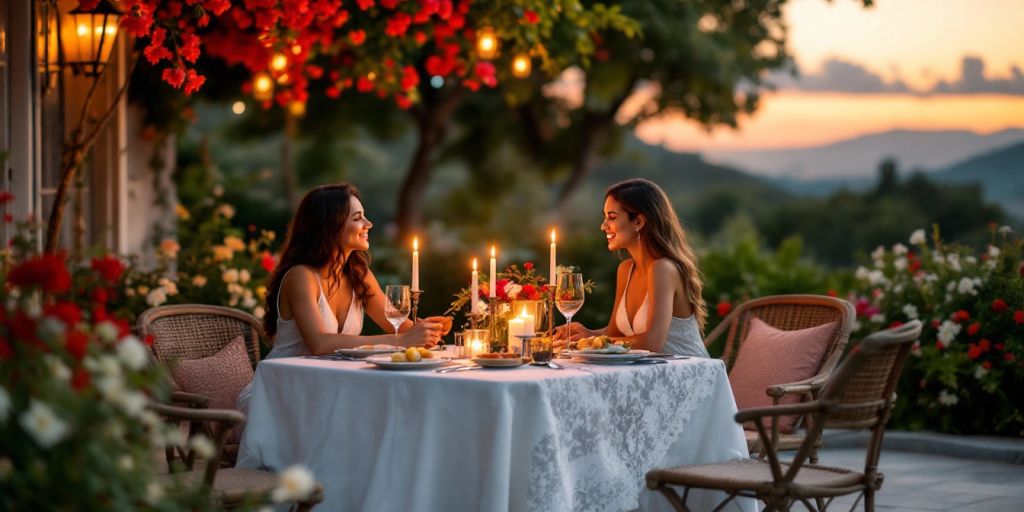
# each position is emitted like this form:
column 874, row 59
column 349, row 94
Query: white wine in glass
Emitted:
column 569, row 295
column 397, row 306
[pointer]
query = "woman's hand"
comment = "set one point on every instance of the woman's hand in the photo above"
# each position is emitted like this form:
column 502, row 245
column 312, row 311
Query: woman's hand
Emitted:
column 573, row 332
column 425, row 332
column 445, row 321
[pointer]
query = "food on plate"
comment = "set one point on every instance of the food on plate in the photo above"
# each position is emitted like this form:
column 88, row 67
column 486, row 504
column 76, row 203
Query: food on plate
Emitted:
column 398, row 357
column 412, row 355
column 498, row 355
column 425, row 353
column 379, row 346
column 602, row 343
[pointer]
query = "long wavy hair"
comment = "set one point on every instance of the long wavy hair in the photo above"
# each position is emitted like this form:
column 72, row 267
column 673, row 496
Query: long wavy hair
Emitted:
column 312, row 240
column 663, row 236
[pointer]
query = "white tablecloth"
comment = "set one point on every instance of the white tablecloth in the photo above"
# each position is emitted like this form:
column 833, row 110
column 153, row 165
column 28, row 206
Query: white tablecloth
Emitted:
column 514, row 439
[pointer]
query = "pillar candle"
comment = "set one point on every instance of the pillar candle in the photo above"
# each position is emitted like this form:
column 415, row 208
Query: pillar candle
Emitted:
column 551, row 274
column 415, row 264
column 493, row 286
column 474, row 290
column 515, row 329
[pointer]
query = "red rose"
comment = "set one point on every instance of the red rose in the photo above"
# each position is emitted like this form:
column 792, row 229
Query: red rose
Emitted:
column 723, row 308
column 999, row 305
column 973, row 352
column 973, row 328
column 66, row 312
column 936, row 323
column 986, row 365
column 528, row 265
column 961, row 316
column 529, row 292
column 356, row 37
column 267, row 261
column 984, row 345
column 530, row 17
column 1009, row 357
column 1000, row 346
column 1018, row 317
column 77, row 343
column 939, row 346
column 109, row 267
column 46, row 271
column 80, row 379
column 500, row 289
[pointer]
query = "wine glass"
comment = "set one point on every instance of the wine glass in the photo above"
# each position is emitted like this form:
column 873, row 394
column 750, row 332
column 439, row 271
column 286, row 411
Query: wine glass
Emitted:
column 397, row 306
column 569, row 296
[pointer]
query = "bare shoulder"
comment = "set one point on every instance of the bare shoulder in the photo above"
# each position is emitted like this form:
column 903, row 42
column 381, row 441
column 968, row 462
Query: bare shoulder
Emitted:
column 624, row 267
column 663, row 268
column 300, row 279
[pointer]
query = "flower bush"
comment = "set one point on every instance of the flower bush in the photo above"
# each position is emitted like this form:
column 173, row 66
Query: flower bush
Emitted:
column 965, row 373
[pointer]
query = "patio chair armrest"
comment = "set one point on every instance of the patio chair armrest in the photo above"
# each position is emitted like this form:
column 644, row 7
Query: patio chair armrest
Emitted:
column 756, row 413
column 800, row 387
column 228, row 416
column 190, row 399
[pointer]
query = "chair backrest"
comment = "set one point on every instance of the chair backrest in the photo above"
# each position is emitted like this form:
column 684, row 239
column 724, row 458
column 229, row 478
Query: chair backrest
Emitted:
column 193, row 331
column 863, row 387
column 789, row 313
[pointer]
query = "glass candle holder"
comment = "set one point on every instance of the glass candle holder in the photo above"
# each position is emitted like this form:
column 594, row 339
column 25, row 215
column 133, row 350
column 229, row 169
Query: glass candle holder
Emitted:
column 477, row 341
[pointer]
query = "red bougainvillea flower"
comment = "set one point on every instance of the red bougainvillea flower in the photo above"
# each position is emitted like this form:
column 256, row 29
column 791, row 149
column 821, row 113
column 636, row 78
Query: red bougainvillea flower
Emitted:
column 6, row 197
column 109, row 268
column 530, row 17
column 1018, row 317
column 356, row 37
column 173, row 76
column 999, row 305
column 723, row 308
column 189, row 47
column 403, row 102
column 973, row 328
column 528, row 265
column 46, row 271
column 193, row 81
column 410, row 78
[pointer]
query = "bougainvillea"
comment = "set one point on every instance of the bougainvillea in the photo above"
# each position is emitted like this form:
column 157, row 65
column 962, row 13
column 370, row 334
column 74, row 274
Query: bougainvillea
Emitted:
column 379, row 47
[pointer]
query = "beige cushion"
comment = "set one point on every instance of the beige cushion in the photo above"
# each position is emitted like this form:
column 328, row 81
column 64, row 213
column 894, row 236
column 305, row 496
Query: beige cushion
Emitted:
column 769, row 356
column 219, row 377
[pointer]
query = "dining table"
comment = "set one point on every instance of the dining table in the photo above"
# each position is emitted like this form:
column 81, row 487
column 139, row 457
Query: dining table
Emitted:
column 529, row 438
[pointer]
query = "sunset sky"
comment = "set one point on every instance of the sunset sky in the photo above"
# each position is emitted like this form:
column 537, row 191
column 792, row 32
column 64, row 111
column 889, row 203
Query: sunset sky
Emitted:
column 910, row 64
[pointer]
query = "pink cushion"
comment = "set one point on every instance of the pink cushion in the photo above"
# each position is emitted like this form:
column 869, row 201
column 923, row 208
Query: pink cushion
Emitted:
column 219, row 377
column 769, row 356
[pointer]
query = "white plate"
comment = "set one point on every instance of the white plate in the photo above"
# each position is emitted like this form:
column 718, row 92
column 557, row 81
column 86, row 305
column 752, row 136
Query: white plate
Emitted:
column 597, row 357
column 423, row 364
column 498, row 363
column 364, row 352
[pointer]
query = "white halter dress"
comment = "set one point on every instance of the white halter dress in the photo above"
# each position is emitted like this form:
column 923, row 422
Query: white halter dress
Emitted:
column 683, row 333
column 288, row 341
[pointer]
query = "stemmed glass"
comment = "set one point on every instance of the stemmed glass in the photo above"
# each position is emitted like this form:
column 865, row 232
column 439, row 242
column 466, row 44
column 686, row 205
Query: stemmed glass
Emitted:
column 397, row 306
column 569, row 295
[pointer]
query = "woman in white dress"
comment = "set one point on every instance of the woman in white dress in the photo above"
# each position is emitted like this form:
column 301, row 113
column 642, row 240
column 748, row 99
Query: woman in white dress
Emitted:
column 323, row 285
column 658, row 303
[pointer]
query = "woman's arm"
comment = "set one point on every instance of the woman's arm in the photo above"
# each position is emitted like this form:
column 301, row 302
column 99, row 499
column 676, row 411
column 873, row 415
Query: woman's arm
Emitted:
column 301, row 291
column 577, row 330
column 620, row 288
column 662, row 281
column 375, row 307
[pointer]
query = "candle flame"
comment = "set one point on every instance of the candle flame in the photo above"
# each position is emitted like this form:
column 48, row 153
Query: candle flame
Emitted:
column 552, row 235
column 492, row 251
column 415, row 243
column 474, row 264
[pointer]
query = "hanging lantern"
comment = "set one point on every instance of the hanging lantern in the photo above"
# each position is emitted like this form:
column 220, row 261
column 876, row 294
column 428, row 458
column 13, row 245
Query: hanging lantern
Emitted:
column 521, row 65
column 297, row 108
column 487, row 44
column 262, row 86
column 87, row 37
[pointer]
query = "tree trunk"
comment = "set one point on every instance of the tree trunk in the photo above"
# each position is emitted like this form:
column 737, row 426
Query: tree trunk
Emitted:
column 69, row 168
column 595, row 136
column 432, row 126
column 288, row 179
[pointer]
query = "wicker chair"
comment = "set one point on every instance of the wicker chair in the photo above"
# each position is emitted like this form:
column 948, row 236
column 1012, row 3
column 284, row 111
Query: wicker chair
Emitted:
column 788, row 312
column 229, row 487
column 858, row 395
column 193, row 331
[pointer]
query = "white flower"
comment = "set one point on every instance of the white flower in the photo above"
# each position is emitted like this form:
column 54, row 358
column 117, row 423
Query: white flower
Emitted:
column 126, row 463
column 249, row 302
column 993, row 251
column 930, row 277
column 230, row 275
column 1005, row 229
column 5, row 404
column 947, row 331
column 199, row 281
column 899, row 249
column 173, row 436
column 156, row 297
column 954, row 262
column 876, row 277
column 107, row 331
column 971, row 260
column 911, row 311
column 877, row 318
column 132, row 403
column 948, row 399
column 133, row 353
column 43, row 424
column 170, row 287
column 966, row 286
column 244, row 276
column 296, row 484
column 60, row 371
column 861, row 274
column 917, row 237
column 202, row 446
column 154, row 492
column 898, row 289
column 258, row 312
column 900, row 263
column 512, row 290
column 481, row 308
column 878, row 253
column 979, row 372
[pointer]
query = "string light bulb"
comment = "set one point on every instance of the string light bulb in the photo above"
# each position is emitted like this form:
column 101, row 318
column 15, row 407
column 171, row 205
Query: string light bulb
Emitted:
column 487, row 44
column 521, row 65
column 278, row 62
column 262, row 86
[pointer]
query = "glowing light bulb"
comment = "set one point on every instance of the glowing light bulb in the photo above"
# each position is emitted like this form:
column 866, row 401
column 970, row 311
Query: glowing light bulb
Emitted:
column 278, row 62
column 238, row 108
column 487, row 44
column 521, row 65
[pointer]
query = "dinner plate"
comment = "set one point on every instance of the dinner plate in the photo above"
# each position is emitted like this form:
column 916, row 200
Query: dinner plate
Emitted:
column 364, row 352
column 597, row 357
column 505, row 362
column 423, row 364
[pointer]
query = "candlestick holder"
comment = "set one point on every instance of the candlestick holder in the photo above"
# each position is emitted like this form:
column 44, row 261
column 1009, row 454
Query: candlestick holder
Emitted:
column 551, row 314
column 476, row 320
column 524, row 344
column 415, row 304
column 499, row 313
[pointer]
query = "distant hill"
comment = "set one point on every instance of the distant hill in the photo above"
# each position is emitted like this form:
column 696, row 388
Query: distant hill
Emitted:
column 859, row 157
column 1000, row 174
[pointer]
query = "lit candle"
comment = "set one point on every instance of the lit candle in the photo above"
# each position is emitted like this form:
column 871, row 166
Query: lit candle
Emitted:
column 474, row 290
column 415, row 264
column 477, row 347
column 516, row 328
column 551, row 274
column 528, row 322
column 493, row 287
